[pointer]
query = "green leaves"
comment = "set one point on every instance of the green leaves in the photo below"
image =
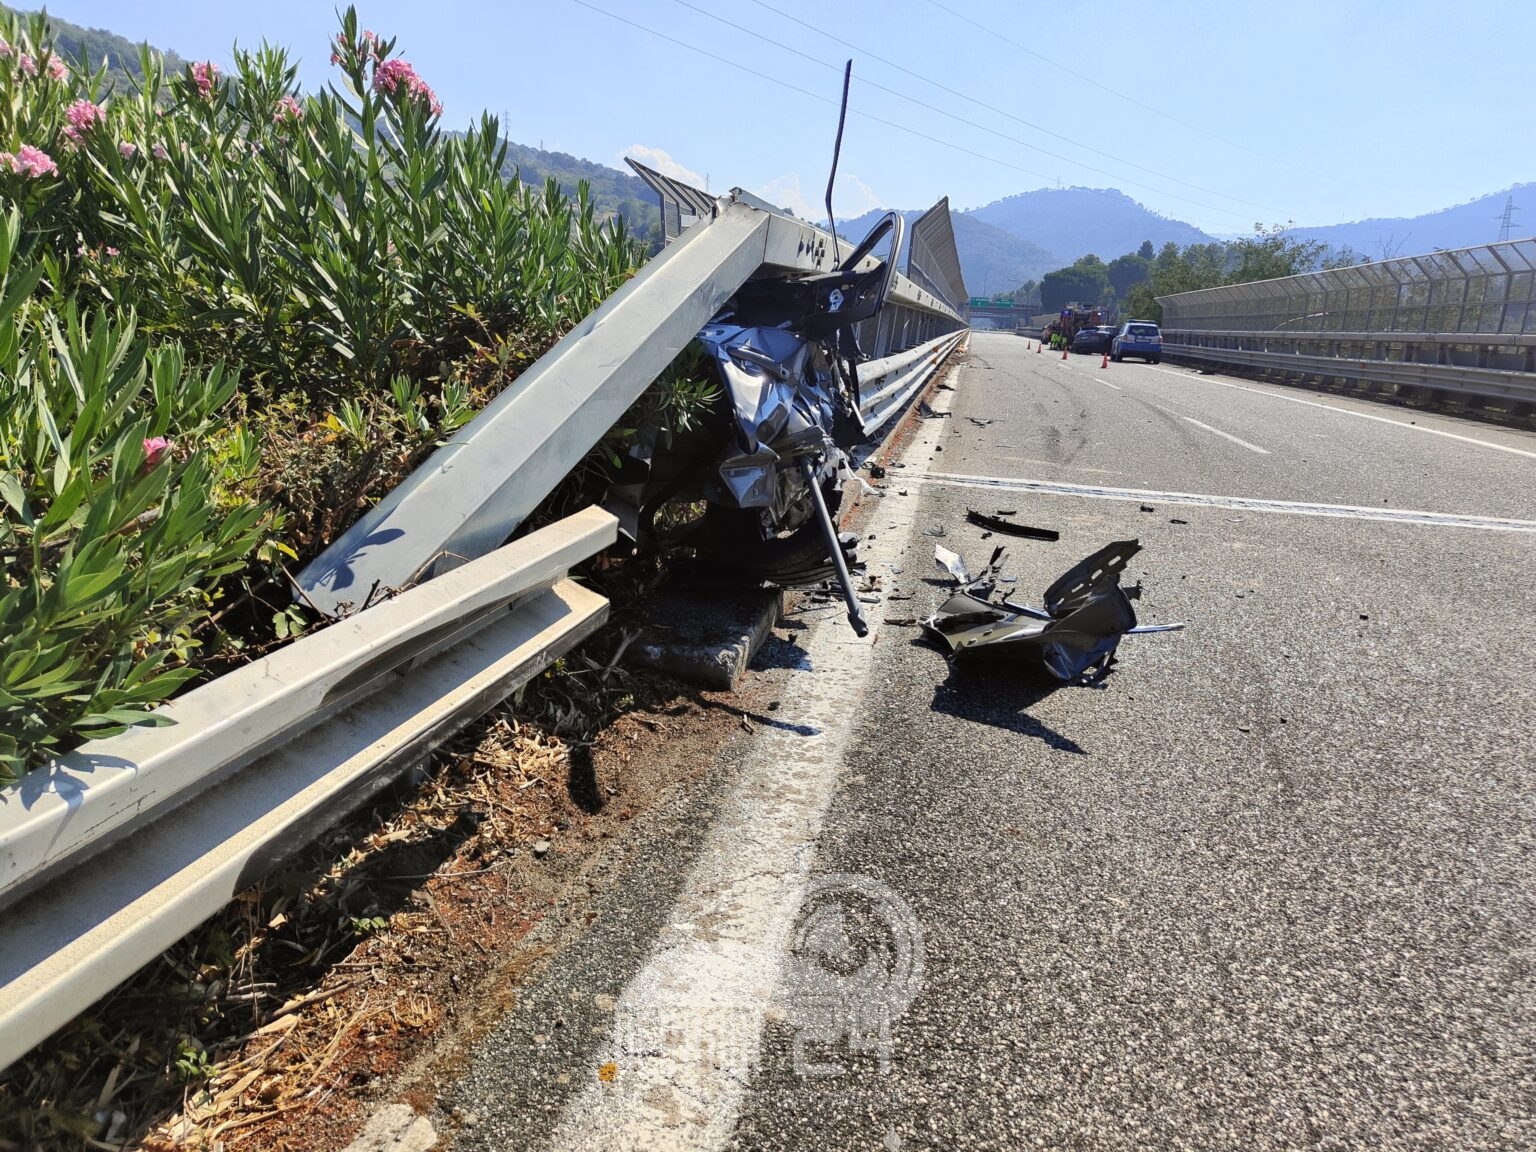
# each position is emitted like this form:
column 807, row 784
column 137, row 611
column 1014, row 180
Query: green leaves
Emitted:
column 105, row 550
column 376, row 280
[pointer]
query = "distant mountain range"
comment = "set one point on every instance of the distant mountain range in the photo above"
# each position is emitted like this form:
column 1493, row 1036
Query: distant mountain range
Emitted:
column 1461, row 226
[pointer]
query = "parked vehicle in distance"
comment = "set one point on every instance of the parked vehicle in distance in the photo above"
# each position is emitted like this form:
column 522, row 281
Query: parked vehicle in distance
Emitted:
column 1093, row 339
column 1137, row 338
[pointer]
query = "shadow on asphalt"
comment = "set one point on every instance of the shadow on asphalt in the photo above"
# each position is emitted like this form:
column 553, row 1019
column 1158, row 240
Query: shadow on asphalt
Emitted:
column 1000, row 695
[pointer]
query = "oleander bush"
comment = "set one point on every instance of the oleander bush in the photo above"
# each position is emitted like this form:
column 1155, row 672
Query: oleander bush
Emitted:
column 232, row 316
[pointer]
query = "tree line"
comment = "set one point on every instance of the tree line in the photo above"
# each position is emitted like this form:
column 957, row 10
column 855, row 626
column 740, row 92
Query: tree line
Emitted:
column 1129, row 285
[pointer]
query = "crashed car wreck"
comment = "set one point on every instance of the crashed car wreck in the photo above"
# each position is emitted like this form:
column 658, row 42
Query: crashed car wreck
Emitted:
column 1074, row 637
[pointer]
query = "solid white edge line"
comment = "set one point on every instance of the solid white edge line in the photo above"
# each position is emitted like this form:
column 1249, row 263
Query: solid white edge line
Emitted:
column 1349, row 412
column 1243, row 503
column 688, row 1025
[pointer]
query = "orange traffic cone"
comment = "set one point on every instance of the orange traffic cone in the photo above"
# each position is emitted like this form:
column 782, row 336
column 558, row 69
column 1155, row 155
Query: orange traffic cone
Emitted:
column 1063, row 353
column 1037, row 349
column 1104, row 363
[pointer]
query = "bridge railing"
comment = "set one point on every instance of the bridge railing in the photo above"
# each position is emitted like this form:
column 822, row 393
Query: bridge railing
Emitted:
column 1460, row 322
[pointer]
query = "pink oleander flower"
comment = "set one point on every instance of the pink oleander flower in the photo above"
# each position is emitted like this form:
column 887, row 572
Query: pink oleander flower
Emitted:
column 159, row 152
column 5, row 49
column 29, row 162
column 204, row 74
column 398, row 79
column 111, row 251
column 155, row 450
column 83, row 116
column 26, row 64
column 127, row 149
column 57, row 69
column 289, row 111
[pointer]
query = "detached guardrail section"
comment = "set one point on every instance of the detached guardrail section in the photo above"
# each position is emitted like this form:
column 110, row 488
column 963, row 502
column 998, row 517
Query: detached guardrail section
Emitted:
column 291, row 743
column 107, row 857
column 1458, row 323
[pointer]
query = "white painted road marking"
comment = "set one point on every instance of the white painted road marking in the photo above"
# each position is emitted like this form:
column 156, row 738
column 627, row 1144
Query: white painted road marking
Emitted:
column 1288, row 507
column 1351, row 412
column 1228, row 436
column 1217, row 431
column 1106, row 384
column 688, row 1027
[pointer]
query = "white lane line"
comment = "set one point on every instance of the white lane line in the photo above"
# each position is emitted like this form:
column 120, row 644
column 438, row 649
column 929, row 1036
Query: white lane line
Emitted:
column 1350, row 412
column 1245, row 503
column 1208, row 428
column 1106, row 384
column 687, row 1028
column 1228, row 436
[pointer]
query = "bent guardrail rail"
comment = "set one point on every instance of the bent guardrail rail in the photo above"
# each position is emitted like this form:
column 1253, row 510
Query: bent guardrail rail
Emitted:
column 308, row 733
column 472, row 493
column 293, row 742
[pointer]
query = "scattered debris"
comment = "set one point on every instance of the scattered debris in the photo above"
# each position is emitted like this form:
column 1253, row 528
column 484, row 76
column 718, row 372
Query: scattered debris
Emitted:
column 541, row 849
column 993, row 524
column 927, row 413
column 1176, row 520
column 876, row 472
column 1148, row 508
column 1074, row 637
column 936, row 530
column 953, row 563
column 980, row 423
column 1007, row 511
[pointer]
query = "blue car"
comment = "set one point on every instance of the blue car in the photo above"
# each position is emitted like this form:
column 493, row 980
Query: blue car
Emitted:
column 1137, row 338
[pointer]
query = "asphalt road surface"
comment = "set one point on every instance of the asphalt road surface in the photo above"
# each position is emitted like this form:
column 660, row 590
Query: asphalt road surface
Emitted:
column 1269, row 885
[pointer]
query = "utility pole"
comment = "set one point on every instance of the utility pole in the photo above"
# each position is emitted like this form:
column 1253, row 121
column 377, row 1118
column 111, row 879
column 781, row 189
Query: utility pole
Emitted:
column 1506, row 220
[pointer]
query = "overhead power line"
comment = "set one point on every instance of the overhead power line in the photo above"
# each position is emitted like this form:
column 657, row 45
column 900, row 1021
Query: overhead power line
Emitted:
column 1000, row 111
column 990, row 31
column 750, row 71
column 758, row 36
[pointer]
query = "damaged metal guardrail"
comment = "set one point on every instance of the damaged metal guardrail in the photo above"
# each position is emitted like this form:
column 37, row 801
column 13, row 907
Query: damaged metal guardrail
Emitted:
column 474, row 491
column 456, row 620
column 1459, row 323
column 291, row 742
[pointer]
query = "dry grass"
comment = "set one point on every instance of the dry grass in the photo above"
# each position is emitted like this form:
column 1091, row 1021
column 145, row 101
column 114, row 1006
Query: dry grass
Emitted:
column 325, row 978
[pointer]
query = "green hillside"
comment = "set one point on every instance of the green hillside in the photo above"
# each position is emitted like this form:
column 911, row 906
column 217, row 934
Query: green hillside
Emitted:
column 614, row 192
column 95, row 46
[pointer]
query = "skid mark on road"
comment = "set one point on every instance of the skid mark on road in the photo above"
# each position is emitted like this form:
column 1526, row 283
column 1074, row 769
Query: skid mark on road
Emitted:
column 1245, row 503
column 1351, row 412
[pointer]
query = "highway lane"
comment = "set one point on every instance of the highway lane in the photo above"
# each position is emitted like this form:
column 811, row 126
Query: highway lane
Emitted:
column 1144, row 430
column 1268, row 886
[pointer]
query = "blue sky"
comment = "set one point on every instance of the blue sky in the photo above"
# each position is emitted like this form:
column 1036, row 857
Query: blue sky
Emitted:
column 1222, row 114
